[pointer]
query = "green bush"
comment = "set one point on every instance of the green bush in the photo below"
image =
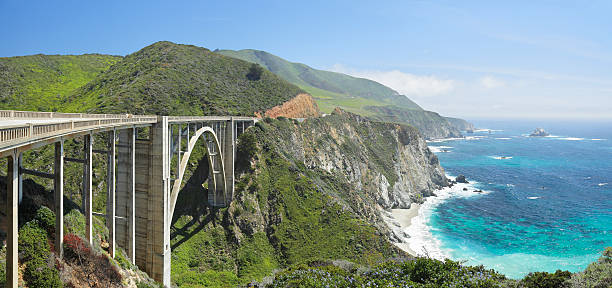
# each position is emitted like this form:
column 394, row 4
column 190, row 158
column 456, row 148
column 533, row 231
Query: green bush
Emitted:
column 74, row 222
column 46, row 219
column 33, row 243
column 246, row 149
column 421, row 272
column 545, row 279
column 596, row 275
column 39, row 274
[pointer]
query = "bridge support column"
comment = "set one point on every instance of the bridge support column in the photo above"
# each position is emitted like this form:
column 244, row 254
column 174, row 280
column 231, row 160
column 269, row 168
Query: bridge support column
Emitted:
column 158, row 240
column 142, row 178
column 110, row 200
column 125, row 191
column 58, row 183
column 12, row 205
column 228, row 159
column 87, row 187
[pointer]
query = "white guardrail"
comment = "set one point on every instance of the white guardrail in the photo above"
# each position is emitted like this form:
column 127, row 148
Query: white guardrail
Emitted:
column 29, row 131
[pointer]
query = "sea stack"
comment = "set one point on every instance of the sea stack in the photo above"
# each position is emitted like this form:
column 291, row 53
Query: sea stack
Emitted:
column 539, row 132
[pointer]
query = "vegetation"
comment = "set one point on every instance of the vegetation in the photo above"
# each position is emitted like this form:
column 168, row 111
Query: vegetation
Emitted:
column 43, row 82
column 171, row 79
column 323, row 82
column 356, row 95
column 281, row 216
column 34, row 251
column 419, row 272
column 425, row 272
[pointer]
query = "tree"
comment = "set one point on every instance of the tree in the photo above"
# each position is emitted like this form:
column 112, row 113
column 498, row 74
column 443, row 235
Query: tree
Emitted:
column 255, row 72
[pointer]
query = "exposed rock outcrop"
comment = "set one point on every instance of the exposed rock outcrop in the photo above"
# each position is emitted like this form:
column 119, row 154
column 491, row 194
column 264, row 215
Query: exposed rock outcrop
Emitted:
column 461, row 179
column 302, row 106
column 430, row 124
column 539, row 132
column 382, row 165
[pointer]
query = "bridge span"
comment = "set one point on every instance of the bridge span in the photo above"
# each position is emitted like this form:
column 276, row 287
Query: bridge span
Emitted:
column 143, row 184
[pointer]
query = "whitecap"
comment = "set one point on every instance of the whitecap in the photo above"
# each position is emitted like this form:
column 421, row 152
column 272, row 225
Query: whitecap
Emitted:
column 534, row 197
column 602, row 184
column 439, row 149
column 501, row 157
column 597, row 139
column 420, row 237
column 503, row 138
column 572, row 138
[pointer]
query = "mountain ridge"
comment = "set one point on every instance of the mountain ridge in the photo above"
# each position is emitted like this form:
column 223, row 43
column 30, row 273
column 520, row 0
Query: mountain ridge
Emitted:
column 357, row 95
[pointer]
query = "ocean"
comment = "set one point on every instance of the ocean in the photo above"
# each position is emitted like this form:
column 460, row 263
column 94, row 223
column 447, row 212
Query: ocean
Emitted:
column 546, row 202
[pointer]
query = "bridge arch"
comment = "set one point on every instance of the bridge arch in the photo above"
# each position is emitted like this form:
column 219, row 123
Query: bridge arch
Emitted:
column 217, row 185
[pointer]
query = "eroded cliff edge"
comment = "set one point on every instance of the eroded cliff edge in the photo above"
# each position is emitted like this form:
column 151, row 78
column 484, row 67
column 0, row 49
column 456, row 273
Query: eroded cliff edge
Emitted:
column 306, row 190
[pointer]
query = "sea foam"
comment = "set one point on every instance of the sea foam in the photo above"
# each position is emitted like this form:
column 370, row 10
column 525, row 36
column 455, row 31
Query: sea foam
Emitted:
column 421, row 239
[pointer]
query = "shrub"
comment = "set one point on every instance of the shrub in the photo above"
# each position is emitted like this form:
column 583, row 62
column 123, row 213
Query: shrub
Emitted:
column 255, row 71
column 46, row 219
column 39, row 274
column 596, row 275
column 76, row 248
column 246, row 148
column 74, row 222
column 32, row 242
column 545, row 279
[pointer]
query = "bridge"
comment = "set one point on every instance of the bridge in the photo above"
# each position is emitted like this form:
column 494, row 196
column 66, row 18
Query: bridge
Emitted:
column 143, row 183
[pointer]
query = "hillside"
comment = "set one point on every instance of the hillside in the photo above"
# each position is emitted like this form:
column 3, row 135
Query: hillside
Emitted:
column 357, row 95
column 308, row 191
column 430, row 123
column 42, row 82
column 171, row 79
column 329, row 88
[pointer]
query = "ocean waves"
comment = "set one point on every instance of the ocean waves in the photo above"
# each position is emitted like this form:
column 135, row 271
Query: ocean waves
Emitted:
column 421, row 239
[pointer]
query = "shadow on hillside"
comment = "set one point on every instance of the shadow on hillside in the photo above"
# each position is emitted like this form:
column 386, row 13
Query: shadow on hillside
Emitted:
column 192, row 201
column 34, row 197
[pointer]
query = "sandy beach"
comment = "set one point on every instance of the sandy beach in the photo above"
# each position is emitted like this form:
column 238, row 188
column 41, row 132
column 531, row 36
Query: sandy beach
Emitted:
column 404, row 218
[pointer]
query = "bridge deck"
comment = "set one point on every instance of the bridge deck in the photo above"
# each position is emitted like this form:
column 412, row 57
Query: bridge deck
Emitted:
column 21, row 128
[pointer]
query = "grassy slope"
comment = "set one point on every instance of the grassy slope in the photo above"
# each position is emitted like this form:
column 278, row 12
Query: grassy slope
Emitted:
column 329, row 88
column 172, row 79
column 42, row 82
column 357, row 95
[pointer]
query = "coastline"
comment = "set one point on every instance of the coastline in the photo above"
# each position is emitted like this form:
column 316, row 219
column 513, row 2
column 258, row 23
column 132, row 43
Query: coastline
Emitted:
column 411, row 225
column 404, row 218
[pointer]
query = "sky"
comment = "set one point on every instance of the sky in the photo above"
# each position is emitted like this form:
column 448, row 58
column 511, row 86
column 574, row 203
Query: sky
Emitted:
column 469, row 59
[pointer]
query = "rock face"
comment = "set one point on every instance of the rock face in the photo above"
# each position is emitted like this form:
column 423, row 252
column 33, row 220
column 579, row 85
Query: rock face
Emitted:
column 461, row 179
column 461, row 124
column 302, row 106
column 539, row 132
column 430, row 124
column 383, row 165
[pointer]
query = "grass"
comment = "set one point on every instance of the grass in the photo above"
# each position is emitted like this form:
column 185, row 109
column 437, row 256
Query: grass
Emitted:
column 42, row 82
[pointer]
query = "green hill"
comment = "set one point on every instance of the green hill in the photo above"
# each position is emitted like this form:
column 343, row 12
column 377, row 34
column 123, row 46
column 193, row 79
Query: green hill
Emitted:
column 357, row 95
column 171, row 79
column 329, row 88
column 42, row 82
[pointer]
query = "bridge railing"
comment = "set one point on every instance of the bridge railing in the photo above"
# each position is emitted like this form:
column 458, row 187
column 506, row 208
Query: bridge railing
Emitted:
column 55, row 115
column 14, row 134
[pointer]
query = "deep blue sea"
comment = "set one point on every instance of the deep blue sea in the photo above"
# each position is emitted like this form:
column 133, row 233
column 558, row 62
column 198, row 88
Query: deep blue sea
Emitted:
column 547, row 207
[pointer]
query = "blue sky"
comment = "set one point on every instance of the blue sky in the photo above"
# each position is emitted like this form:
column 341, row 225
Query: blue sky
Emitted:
column 471, row 59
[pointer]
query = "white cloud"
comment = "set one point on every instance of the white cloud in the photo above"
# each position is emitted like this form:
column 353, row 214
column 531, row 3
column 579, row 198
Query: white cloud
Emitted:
column 491, row 82
column 404, row 83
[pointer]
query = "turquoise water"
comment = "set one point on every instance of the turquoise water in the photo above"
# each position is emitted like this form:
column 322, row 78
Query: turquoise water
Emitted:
column 548, row 207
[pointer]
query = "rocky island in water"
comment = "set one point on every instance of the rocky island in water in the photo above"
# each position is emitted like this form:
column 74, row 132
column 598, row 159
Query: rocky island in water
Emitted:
column 539, row 132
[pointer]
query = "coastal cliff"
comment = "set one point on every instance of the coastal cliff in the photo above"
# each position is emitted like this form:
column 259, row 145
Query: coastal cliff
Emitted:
column 430, row 124
column 305, row 191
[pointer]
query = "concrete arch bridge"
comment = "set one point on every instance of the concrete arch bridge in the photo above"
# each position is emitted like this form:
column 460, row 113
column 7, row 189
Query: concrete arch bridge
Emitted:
column 143, row 185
